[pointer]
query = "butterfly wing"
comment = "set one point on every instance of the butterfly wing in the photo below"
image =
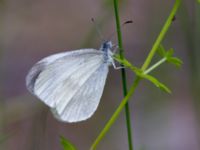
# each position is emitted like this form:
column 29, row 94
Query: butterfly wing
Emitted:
column 85, row 101
column 42, row 64
column 65, row 81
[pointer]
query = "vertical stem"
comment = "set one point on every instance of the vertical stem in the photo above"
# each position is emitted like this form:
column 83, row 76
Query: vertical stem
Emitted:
column 123, row 75
column 115, row 114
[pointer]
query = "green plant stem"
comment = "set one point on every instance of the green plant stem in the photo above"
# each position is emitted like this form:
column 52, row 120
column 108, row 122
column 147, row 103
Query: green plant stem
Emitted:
column 123, row 75
column 161, row 35
column 155, row 65
column 116, row 114
column 137, row 80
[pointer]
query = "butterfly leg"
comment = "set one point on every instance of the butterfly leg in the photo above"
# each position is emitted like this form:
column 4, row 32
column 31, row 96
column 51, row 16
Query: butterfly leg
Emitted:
column 115, row 49
column 116, row 67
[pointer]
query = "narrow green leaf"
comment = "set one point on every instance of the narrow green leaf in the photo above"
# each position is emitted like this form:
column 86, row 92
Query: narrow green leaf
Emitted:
column 66, row 144
column 169, row 53
column 161, row 51
column 156, row 82
column 176, row 61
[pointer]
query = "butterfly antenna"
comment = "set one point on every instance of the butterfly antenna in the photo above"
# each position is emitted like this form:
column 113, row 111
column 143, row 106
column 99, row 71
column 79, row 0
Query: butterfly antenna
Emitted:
column 97, row 29
column 122, row 25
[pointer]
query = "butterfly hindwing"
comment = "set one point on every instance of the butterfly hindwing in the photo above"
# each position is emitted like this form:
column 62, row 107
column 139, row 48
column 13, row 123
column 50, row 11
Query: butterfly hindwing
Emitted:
column 85, row 101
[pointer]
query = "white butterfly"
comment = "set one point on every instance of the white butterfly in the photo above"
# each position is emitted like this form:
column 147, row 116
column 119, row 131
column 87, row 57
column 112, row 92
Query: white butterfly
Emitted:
column 71, row 83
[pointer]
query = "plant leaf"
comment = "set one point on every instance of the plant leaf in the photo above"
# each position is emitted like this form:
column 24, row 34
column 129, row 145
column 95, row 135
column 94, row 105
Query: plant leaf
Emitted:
column 161, row 51
column 66, row 144
column 176, row 61
column 169, row 53
column 156, row 82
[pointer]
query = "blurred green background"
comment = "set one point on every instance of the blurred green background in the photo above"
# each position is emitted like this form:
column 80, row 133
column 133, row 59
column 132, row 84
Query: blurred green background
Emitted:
column 33, row 29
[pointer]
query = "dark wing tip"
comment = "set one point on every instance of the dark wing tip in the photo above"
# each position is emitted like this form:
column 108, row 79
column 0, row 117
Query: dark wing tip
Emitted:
column 33, row 75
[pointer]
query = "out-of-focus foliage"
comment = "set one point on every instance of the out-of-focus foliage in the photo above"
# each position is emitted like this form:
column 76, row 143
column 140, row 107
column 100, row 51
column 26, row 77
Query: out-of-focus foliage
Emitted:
column 66, row 144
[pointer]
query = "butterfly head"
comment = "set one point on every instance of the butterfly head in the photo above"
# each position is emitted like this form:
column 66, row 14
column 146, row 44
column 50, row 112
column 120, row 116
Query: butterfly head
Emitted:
column 107, row 53
column 107, row 45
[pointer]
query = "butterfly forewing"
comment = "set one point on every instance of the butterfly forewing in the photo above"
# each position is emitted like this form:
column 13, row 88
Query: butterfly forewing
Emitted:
column 42, row 64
